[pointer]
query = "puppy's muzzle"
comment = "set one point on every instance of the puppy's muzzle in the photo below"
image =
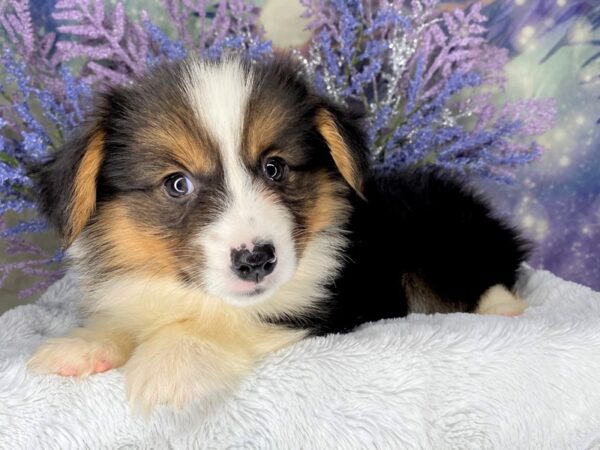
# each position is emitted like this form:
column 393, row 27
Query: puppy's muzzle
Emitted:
column 253, row 265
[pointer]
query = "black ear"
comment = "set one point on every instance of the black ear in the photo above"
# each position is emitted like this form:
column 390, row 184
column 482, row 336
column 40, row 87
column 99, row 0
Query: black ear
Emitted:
column 347, row 144
column 67, row 183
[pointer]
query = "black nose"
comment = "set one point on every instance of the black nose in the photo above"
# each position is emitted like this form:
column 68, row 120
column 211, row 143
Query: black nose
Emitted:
column 253, row 265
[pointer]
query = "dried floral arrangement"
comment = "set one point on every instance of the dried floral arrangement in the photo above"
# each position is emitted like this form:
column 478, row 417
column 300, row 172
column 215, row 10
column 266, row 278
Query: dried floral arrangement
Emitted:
column 426, row 82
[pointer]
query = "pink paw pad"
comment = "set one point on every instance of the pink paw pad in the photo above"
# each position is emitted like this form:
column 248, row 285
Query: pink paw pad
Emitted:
column 102, row 366
column 99, row 366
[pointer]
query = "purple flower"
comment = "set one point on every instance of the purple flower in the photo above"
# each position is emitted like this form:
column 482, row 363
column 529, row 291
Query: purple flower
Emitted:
column 423, row 81
column 171, row 50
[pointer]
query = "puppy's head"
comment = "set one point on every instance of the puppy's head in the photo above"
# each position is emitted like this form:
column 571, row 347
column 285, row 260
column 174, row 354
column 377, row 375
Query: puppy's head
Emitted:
column 221, row 176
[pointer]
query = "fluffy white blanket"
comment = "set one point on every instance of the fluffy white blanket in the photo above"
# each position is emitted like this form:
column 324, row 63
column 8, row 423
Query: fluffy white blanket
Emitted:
column 443, row 381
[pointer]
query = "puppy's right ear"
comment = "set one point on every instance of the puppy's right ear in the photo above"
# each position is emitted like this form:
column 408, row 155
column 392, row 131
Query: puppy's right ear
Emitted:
column 67, row 183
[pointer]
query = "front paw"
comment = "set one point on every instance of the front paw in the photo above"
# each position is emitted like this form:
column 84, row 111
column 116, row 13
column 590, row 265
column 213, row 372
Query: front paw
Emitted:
column 158, row 374
column 71, row 357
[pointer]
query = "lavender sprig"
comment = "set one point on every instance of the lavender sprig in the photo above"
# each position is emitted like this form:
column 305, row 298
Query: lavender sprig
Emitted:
column 425, row 83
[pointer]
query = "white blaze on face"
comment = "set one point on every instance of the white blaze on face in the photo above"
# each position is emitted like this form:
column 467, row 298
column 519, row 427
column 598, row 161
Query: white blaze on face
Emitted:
column 219, row 94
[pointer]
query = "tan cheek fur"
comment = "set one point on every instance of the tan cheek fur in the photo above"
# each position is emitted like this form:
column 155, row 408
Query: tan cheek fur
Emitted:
column 129, row 245
column 330, row 207
column 330, row 210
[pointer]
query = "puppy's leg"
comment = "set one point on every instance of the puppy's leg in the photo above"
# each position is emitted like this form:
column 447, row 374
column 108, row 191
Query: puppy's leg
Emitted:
column 189, row 360
column 498, row 300
column 178, row 364
column 91, row 349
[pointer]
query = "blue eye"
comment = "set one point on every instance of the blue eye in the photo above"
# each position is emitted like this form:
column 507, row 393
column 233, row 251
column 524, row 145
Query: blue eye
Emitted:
column 178, row 185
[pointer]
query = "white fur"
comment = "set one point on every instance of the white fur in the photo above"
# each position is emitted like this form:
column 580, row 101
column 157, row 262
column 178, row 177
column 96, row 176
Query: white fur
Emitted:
column 219, row 95
column 500, row 301
column 440, row 381
column 319, row 266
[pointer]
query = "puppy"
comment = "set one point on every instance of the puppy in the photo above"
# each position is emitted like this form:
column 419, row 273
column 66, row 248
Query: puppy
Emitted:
column 219, row 211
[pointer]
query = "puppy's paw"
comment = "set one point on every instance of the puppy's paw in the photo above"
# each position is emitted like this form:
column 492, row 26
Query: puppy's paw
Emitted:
column 175, row 375
column 72, row 357
column 499, row 301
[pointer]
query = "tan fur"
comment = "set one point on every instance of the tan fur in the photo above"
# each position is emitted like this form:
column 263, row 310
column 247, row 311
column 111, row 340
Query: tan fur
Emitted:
column 329, row 206
column 263, row 126
column 497, row 300
column 131, row 245
column 143, row 306
column 339, row 150
column 422, row 299
column 83, row 198
column 500, row 301
column 190, row 150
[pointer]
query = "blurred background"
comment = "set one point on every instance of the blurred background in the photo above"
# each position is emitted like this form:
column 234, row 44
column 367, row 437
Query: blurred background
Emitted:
column 554, row 52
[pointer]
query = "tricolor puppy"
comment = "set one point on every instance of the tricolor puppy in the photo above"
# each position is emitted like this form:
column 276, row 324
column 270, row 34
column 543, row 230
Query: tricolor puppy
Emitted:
column 219, row 211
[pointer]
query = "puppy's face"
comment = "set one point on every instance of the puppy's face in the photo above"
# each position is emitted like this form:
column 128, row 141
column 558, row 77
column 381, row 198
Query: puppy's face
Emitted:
column 217, row 175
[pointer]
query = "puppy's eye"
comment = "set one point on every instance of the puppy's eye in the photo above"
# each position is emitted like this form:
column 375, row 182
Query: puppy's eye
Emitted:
column 178, row 185
column 274, row 169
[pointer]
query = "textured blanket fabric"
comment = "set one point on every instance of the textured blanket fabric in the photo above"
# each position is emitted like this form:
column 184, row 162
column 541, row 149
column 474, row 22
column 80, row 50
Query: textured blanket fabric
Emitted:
column 443, row 381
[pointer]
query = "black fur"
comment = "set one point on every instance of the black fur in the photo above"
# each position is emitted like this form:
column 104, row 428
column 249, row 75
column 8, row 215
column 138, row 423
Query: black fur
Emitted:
column 425, row 223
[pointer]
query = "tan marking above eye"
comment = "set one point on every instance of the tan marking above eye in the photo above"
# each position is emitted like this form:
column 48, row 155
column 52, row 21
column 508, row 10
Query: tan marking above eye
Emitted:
column 264, row 122
column 189, row 148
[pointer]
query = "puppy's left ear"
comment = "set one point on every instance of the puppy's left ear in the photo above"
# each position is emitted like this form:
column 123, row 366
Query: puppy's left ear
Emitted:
column 347, row 145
